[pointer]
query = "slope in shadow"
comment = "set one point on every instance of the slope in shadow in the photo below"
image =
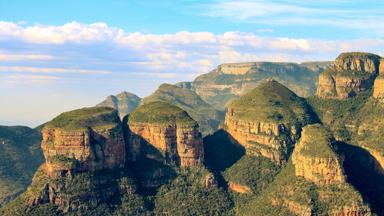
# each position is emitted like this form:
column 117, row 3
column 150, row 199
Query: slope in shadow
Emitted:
column 221, row 151
column 364, row 174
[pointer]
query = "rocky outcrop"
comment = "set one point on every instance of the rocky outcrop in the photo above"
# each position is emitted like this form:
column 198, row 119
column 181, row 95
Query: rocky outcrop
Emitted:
column 90, row 147
column 164, row 132
column 124, row 103
column 314, row 158
column 378, row 88
column 243, row 189
column 237, row 69
column 267, row 121
column 351, row 74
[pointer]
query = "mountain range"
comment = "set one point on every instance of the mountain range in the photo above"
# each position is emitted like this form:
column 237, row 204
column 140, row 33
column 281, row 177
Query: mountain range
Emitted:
column 255, row 138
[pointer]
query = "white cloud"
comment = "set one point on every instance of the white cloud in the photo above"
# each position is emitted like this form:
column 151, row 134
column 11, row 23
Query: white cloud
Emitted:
column 30, row 79
column 24, row 56
column 50, row 70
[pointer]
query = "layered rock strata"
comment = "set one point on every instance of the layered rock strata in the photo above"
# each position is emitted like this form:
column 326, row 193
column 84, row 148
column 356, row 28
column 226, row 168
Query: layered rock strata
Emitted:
column 267, row 121
column 164, row 132
column 314, row 158
column 351, row 74
column 88, row 148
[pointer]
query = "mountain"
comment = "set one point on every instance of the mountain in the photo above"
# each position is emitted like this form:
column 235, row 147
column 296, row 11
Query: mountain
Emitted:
column 267, row 120
column 123, row 102
column 208, row 117
column 276, row 153
column 20, row 155
column 229, row 81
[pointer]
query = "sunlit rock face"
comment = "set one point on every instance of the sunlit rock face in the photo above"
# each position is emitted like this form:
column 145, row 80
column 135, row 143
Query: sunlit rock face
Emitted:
column 93, row 142
column 267, row 121
column 314, row 158
column 351, row 74
column 166, row 133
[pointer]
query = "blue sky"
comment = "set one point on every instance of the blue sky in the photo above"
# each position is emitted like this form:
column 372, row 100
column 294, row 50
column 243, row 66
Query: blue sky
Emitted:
column 61, row 55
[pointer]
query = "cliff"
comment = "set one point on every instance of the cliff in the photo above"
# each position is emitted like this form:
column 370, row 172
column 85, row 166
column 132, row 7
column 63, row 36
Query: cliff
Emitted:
column 88, row 139
column 230, row 81
column 166, row 133
column 267, row 120
column 124, row 103
column 314, row 158
column 206, row 116
column 352, row 73
column 378, row 87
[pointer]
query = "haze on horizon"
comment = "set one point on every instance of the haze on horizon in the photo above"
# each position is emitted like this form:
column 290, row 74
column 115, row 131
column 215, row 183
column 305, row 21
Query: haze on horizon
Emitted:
column 55, row 57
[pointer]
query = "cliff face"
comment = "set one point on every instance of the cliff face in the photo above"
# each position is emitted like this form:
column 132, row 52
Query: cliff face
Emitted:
column 124, row 103
column 267, row 121
column 351, row 74
column 230, row 81
column 378, row 88
column 314, row 158
column 85, row 150
column 166, row 133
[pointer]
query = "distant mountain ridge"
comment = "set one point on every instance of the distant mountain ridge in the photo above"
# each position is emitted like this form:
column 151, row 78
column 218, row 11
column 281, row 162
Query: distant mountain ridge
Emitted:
column 124, row 102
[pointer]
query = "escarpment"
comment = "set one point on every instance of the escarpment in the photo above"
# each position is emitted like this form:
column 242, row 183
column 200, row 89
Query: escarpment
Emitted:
column 314, row 158
column 229, row 81
column 166, row 133
column 351, row 74
column 267, row 120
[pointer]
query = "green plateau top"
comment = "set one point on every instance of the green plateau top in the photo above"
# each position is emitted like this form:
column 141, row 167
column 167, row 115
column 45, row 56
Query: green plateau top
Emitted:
column 317, row 142
column 160, row 113
column 271, row 102
column 93, row 117
column 358, row 54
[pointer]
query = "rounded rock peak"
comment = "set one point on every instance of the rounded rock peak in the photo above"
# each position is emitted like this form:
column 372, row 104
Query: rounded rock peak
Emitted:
column 161, row 113
column 357, row 61
column 89, row 117
column 270, row 102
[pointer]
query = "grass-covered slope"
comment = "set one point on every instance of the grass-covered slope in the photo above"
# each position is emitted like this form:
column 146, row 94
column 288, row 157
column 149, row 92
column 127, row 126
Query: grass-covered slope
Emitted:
column 160, row 113
column 208, row 117
column 271, row 102
column 124, row 102
column 20, row 155
column 93, row 117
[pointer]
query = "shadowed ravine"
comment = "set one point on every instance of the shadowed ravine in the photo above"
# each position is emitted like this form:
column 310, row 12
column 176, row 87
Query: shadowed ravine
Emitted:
column 359, row 166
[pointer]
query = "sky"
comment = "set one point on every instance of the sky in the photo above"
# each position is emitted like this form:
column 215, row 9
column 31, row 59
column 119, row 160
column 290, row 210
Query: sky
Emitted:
column 56, row 56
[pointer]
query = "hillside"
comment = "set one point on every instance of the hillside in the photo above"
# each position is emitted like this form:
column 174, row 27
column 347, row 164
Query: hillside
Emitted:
column 20, row 155
column 207, row 116
column 123, row 102
column 229, row 81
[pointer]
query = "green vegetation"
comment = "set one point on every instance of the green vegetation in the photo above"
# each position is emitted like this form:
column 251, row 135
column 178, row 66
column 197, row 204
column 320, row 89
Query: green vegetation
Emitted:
column 20, row 155
column 207, row 116
column 272, row 102
column 187, row 195
column 254, row 172
column 68, row 162
column 318, row 142
column 81, row 119
column 160, row 113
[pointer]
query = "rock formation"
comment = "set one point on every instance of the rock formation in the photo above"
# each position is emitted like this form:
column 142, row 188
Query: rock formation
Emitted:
column 71, row 144
column 206, row 116
column 124, row 103
column 378, row 88
column 351, row 74
column 164, row 132
column 314, row 158
column 230, row 81
column 267, row 120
